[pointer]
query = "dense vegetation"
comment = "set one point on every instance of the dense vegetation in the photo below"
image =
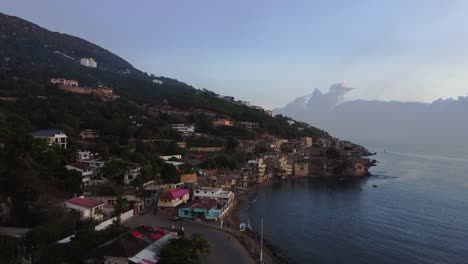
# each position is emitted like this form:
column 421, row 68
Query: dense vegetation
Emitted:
column 185, row 250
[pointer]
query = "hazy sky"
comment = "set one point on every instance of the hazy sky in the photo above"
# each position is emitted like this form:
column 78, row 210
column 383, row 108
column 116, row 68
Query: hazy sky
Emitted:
column 270, row 52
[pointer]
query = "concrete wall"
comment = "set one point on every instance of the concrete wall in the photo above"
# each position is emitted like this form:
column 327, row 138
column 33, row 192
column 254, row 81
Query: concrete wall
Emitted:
column 108, row 222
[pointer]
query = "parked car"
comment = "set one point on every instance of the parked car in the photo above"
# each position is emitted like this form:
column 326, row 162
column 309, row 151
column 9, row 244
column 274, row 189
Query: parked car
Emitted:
column 175, row 218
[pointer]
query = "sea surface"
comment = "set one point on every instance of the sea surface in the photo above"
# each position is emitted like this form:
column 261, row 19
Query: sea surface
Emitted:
column 416, row 213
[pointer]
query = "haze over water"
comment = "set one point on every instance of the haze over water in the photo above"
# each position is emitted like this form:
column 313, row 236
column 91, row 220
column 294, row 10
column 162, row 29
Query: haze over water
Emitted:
column 417, row 214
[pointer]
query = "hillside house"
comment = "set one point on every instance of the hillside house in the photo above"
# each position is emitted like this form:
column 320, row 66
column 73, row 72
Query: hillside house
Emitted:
column 184, row 129
column 88, row 208
column 85, row 170
column 52, row 136
column 88, row 62
column 84, row 155
column 132, row 173
column 301, row 168
column 257, row 170
column 89, row 134
column 285, row 167
column 250, row 125
column 222, row 122
column 306, row 142
column 168, row 157
column 64, row 82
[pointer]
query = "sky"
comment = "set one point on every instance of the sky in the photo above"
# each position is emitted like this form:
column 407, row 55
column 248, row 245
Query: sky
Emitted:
column 270, row 52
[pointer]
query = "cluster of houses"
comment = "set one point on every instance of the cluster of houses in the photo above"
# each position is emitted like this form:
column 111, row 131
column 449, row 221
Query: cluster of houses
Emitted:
column 206, row 194
column 72, row 86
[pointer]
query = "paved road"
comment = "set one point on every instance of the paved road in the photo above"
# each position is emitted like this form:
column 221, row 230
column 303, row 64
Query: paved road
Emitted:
column 222, row 250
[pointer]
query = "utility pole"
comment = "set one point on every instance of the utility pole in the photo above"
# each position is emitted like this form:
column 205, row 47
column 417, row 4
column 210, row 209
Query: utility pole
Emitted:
column 261, row 243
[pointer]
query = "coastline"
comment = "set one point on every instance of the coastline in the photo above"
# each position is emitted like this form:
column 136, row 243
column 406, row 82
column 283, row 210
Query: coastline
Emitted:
column 249, row 238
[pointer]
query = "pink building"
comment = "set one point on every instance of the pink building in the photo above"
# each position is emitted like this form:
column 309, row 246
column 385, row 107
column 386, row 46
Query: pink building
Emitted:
column 172, row 198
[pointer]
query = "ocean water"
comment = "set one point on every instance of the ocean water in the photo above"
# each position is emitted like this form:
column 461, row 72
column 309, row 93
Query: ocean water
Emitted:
column 417, row 213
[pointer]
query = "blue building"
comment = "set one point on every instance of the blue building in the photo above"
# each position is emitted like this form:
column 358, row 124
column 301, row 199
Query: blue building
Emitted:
column 204, row 209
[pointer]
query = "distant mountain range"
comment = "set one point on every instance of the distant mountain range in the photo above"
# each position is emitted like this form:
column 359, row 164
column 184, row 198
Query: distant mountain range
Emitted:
column 439, row 122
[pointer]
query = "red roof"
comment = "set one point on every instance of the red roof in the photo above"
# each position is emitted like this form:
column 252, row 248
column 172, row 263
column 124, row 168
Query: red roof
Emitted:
column 174, row 194
column 197, row 156
column 84, row 202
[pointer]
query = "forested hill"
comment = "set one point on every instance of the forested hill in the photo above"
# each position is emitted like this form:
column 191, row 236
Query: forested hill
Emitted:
column 23, row 44
column 30, row 55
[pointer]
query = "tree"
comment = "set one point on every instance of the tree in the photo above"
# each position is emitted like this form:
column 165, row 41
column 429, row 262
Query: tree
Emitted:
column 169, row 174
column 114, row 170
column 121, row 204
column 203, row 123
column 231, row 144
column 200, row 244
column 261, row 147
column 184, row 250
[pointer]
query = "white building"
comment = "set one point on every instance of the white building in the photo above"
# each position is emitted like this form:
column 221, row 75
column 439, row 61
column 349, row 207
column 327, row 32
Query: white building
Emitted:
column 85, row 171
column 132, row 173
column 90, row 160
column 88, row 208
column 64, row 82
column 84, row 155
column 217, row 194
column 88, row 62
column 285, row 166
column 250, row 125
column 52, row 136
column 184, row 129
column 168, row 157
column 258, row 168
column 152, row 186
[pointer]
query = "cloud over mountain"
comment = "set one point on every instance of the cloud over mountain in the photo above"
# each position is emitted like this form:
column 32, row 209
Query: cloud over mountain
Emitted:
column 382, row 121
